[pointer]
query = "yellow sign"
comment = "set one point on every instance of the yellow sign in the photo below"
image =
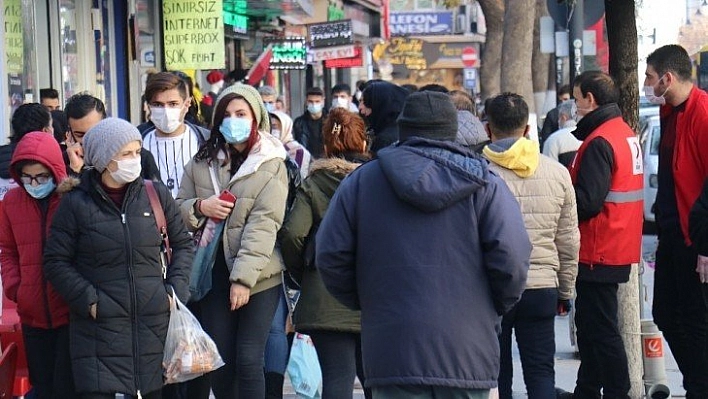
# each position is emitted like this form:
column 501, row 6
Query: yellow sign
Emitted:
column 14, row 44
column 193, row 34
column 402, row 51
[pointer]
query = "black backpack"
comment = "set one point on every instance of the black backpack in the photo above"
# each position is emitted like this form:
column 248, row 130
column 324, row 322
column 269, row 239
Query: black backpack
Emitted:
column 294, row 182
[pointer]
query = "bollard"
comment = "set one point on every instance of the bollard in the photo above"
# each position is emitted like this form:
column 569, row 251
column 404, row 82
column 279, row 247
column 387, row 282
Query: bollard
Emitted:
column 655, row 381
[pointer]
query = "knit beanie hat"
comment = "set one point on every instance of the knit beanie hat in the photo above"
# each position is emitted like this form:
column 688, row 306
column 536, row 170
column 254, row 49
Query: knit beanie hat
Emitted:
column 214, row 76
column 253, row 98
column 103, row 141
column 430, row 115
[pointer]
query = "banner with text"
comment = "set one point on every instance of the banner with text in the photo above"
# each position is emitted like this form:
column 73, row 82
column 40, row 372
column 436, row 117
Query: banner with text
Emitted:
column 14, row 44
column 421, row 23
column 193, row 34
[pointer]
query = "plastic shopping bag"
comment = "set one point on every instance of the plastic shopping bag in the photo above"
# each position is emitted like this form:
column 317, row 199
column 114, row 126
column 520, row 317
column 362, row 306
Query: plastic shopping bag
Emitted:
column 304, row 367
column 189, row 351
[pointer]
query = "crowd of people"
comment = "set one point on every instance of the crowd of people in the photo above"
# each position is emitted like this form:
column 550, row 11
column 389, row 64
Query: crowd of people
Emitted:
column 419, row 236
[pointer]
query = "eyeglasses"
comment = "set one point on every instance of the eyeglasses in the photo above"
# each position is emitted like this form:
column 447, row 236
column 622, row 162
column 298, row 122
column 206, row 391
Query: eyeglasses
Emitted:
column 40, row 179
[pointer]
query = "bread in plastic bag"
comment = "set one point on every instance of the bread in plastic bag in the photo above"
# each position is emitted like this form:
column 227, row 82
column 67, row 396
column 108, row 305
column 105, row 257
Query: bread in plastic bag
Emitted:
column 189, row 350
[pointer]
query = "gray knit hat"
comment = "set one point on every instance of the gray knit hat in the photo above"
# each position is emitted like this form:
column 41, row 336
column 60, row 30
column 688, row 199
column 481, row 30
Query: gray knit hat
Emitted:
column 103, row 141
column 428, row 114
column 253, row 98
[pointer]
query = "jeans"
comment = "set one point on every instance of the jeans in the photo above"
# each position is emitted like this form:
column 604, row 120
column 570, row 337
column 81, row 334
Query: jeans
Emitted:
column 533, row 320
column 340, row 360
column 603, row 361
column 277, row 349
column 680, row 310
column 239, row 335
column 427, row 392
column 49, row 362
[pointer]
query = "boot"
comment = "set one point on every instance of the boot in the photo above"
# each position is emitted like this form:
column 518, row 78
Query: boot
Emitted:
column 274, row 385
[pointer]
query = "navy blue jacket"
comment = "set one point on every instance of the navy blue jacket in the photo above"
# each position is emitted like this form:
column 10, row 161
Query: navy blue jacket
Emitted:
column 431, row 246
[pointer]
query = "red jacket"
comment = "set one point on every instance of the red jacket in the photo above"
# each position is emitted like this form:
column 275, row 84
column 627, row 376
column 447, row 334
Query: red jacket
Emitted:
column 690, row 163
column 614, row 236
column 23, row 232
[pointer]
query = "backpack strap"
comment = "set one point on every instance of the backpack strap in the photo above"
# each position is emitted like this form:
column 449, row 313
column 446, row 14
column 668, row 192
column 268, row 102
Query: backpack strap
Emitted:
column 159, row 218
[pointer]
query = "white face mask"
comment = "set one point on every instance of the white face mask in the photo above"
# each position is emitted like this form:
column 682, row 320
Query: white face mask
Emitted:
column 128, row 170
column 166, row 120
column 653, row 98
column 275, row 133
column 340, row 102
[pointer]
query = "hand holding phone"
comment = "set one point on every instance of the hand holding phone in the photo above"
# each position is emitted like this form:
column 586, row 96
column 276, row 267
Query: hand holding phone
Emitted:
column 218, row 207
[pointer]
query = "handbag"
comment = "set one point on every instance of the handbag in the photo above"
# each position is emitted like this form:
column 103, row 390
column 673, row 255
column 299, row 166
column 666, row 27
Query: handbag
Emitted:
column 165, row 249
column 206, row 244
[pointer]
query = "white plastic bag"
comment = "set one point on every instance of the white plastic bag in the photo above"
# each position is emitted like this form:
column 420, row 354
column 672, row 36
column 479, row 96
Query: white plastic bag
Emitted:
column 304, row 367
column 189, row 351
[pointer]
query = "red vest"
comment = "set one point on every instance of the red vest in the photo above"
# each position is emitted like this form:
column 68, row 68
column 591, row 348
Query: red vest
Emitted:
column 614, row 236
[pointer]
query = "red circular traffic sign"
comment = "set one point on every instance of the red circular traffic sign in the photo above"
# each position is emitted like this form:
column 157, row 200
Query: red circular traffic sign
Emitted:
column 469, row 57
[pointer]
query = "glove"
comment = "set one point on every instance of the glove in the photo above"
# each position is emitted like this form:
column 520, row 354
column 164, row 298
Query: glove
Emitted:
column 564, row 307
column 702, row 268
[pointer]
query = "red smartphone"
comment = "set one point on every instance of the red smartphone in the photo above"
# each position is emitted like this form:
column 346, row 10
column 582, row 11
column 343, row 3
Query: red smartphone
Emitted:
column 227, row 195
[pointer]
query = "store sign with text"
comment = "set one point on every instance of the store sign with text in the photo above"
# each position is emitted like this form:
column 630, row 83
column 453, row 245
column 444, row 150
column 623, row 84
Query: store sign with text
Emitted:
column 337, row 33
column 420, row 54
column 421, row 23
column 288, row 52
column 331, row 53
column 350, row 62
column 193, row 34
column 14, row 42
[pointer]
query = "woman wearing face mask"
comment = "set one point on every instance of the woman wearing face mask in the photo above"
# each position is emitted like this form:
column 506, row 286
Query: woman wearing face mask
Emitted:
column 103, row 258
column 27, row 211
column 248, row 161
column 281, row 127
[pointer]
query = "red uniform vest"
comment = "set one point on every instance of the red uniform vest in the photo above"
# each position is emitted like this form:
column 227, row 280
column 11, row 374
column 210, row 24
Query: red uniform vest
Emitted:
column 614, row 236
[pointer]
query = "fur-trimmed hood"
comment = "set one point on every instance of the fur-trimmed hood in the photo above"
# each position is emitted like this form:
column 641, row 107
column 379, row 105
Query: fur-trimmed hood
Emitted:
column 338, row 166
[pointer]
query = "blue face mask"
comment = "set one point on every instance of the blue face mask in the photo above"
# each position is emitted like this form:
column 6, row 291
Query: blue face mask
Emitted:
column 41, row 190
column 314, row 108
column 270, row 107
column 235, row 130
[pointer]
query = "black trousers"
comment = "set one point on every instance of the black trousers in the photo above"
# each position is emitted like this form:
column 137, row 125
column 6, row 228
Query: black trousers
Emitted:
column 152, row 395
column 339, row 354
column 603, row 361
column 49, row 362
column 680, row 310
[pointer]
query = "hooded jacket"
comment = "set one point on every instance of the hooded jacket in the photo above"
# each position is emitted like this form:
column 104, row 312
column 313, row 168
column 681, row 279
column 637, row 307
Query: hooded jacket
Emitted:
column 547, row 199
column 98, row 253
column 261, row 189
column 25, row 227
column 6, row 182
column 316, row 308
column 470, row 131
column 386, row 102
column 432, row 248
column 296, row 151
column 308, row 132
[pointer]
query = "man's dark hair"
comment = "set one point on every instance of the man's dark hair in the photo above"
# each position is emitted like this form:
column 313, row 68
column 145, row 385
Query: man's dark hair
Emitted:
column 80, row 105
column 342, row 87
column 163, row 81
column 565, row 89
column 600, row 84
column 671, row 58
column 48, row 93
column 32, row 117
column 60, row 124
column 506, row 114
column 314, row 91
column 434, row 87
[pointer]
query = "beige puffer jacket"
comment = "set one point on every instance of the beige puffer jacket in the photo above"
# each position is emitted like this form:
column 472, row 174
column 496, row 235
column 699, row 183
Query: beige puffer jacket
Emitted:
column 261, row 188
column 547, row 199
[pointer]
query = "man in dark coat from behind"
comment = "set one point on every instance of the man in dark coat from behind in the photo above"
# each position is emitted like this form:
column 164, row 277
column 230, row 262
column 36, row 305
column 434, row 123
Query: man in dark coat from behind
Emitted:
column 431, row 246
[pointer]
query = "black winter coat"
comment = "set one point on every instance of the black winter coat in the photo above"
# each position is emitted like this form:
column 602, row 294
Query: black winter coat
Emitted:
column 97, row 253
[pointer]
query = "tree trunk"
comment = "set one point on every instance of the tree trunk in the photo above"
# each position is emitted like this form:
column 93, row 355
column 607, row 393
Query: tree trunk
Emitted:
column 540, row 65
column 622, row 40
column 517, row 49
column 490, row 72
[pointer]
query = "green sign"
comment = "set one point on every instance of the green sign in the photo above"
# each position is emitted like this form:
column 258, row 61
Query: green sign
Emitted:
column 14, row 43
column 193, row 34
column 239, row 22
column 288, row 53
column 334, row 13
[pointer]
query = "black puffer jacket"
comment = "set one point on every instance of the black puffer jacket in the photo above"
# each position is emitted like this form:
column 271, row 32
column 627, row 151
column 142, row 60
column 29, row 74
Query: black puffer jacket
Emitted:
column 97, row 253
column 5, row 158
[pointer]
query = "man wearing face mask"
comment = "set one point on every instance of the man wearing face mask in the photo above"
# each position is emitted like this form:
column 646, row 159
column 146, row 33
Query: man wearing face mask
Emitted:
column 171, row 139
column 269, row 96
column 342, row 97
column 680, row 306
column 307, row 128
column 607, row 175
